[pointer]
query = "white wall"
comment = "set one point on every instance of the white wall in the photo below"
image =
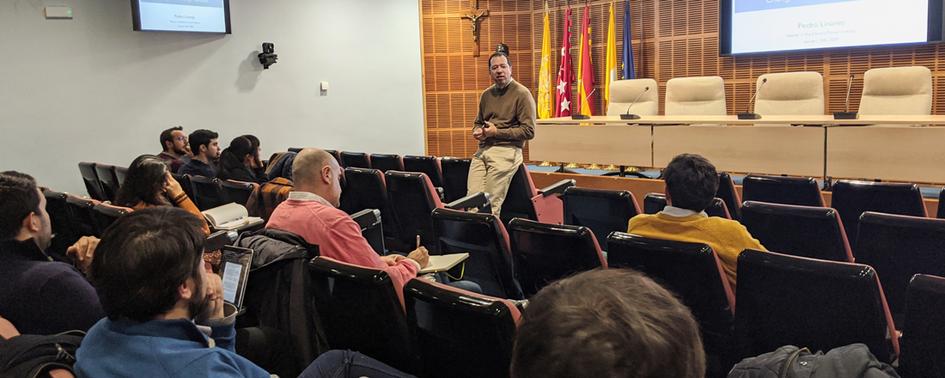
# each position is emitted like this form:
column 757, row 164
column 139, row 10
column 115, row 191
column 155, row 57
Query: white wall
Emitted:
column 91, row 89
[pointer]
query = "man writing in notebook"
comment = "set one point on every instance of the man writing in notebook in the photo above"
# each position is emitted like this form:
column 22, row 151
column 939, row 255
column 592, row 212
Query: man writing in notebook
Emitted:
column 311, row 212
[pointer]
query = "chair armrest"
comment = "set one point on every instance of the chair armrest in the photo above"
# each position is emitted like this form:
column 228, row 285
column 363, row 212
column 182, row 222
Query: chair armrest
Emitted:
column 367, row 218
column 476, row 200
column 219, row 239
column 556, row 188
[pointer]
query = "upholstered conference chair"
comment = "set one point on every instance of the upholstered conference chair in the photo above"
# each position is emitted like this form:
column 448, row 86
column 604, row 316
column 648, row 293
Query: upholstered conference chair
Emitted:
column 852, row 198
column 603, row 211
column 802, row 191
column 460, row 333
column 923, row 335
column 790, row 93
column 387, row 162
column 897, row 90
column 807, row 231
column 692, row 271
column 820, row 304
column 367, row 189
column 355, row 159
column 701, row 95
column 623, row 92
column 455, row 172
column 484, row 237
column 426, row 164
column 362, row 309
column 413, row 198
column 543, row 253
column 898, row 247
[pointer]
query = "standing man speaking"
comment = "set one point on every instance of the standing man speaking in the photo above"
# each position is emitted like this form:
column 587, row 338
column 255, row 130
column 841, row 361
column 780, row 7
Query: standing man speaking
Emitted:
column 505, row 121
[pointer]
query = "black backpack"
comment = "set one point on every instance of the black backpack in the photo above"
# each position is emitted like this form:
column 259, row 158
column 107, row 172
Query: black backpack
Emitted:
column 35, row 355
column 851, row 361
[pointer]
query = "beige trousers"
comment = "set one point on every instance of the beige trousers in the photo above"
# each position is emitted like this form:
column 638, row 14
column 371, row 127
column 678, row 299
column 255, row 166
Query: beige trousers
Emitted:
column 491, row 171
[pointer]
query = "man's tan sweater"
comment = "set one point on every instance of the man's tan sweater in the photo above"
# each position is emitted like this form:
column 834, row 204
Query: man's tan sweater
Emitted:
column 511, row 110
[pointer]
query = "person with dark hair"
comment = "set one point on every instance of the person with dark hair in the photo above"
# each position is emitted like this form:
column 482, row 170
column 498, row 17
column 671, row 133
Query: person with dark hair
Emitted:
column 174, row 147
column 238, row 161
column 165, row 311
column 206, row 151
column 258, row 168
column 39, row 295
column 149, row 183
column 607, row 323
column 506, row 119
column 691, row 183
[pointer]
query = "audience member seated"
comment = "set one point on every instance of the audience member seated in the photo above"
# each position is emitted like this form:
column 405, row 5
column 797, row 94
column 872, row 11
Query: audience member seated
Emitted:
column 175, row 150
column 311, row 212
column 165, row 311
column 39, row 296
column 259, row 169
column 691, row 183
column 206, row 150
column 237, row 162
column 149, row 183
column 607, row 323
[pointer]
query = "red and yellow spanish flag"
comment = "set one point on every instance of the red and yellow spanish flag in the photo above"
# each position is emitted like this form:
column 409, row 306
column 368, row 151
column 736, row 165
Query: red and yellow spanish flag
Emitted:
column 565, row 75
column 585, row 68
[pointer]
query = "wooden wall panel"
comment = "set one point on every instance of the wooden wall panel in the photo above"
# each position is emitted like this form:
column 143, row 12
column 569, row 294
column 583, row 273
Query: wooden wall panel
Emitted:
column 671, row 38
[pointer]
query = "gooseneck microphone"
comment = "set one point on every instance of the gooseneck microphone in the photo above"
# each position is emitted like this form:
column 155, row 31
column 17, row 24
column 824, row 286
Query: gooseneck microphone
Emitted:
column 846, row 113
column 749, row 113
column 582, row 116
column 627, row 114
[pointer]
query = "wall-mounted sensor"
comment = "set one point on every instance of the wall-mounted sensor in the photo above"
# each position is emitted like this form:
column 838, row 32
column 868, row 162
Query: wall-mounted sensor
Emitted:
column 268, row 56
column 58, row 13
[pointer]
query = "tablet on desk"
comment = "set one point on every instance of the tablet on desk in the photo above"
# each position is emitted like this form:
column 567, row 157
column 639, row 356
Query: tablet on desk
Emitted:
column 442, row 263
column 234, row 269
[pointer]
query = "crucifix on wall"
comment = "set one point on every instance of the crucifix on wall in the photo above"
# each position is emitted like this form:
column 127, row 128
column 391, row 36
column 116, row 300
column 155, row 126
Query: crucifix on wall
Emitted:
column 476, row 16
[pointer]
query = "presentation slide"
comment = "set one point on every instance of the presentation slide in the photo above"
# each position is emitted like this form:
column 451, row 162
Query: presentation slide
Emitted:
column 776, row 25
column 207, row 16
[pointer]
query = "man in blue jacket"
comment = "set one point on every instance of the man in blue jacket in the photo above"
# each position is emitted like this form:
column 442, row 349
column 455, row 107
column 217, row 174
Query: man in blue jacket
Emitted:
column 165, row 312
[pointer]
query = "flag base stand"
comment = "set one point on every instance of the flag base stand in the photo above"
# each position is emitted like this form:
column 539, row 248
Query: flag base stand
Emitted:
column 749, row 116
column 562, row 168
column 844, row 115
column 580, row 116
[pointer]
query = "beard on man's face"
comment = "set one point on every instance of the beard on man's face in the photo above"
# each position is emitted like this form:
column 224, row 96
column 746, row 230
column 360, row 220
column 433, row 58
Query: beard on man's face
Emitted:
column 199, row 303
